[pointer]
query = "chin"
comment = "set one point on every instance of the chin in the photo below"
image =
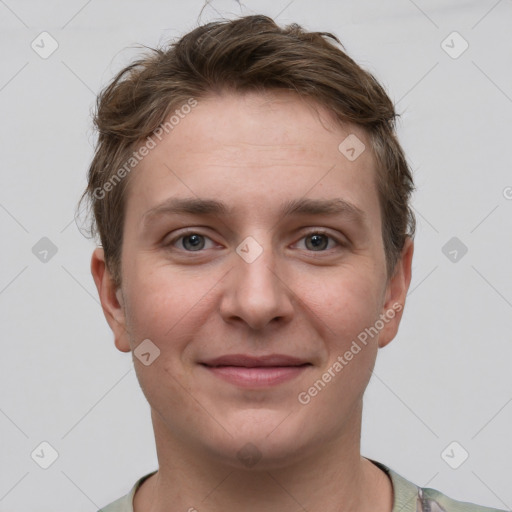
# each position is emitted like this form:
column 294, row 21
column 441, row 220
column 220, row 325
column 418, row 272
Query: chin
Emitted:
column 263, row 442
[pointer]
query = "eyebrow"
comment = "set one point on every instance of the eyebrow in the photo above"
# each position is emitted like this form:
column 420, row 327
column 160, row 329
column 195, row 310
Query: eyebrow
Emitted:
column 212, row 207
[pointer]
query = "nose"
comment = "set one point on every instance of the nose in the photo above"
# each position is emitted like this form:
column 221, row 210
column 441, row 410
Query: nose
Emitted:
column 256, row 292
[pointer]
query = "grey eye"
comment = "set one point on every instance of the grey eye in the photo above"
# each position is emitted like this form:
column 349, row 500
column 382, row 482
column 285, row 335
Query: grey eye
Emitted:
column 318, row 241
column 193, row 242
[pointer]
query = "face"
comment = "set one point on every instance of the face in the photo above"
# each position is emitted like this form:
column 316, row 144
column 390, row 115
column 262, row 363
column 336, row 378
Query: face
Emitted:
column 253, row 261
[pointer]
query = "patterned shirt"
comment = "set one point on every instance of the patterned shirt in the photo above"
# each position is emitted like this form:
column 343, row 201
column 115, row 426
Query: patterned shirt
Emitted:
column 407, row 497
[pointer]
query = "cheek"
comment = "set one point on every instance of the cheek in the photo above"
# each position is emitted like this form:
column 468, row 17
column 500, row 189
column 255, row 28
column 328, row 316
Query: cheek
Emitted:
column 346, row 305
column 164, row 304
column 166, row 308
column 344, row 302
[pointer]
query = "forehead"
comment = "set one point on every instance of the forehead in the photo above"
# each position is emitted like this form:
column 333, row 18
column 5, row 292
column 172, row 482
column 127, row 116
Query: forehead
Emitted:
column 256, row 148
column 274, row 125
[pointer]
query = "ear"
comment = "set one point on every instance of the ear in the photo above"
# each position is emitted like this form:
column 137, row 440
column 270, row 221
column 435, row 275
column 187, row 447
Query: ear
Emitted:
column 111, row 300
column 396, row 292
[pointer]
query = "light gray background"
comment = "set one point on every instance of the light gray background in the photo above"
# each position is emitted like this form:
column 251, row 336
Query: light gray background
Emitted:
column 445, row 378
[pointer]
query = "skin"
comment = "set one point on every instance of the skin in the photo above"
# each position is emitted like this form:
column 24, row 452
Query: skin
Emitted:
column 254, row 152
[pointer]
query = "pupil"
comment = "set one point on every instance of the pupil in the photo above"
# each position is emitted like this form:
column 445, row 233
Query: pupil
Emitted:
column 194, row 241
column 318, row 241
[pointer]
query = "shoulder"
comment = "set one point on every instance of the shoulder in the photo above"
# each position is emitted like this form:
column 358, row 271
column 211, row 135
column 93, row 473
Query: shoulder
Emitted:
column 125, row 503
column 408, row 497
column 430, row 498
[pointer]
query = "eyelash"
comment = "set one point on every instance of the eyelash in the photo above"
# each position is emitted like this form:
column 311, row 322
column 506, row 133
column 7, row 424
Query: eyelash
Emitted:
column 182, row 236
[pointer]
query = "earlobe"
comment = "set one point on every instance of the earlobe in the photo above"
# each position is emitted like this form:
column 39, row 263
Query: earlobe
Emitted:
column 111, row 300
column 396, row 293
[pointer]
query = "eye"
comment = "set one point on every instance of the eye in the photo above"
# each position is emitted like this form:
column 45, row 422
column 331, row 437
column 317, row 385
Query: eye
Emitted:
column 190, row 242
column 318, row 241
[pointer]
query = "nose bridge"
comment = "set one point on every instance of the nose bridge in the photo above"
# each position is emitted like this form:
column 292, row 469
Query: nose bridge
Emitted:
column 255, row 292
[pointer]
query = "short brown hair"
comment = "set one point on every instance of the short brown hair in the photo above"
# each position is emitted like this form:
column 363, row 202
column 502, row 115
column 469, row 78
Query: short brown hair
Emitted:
column 250, row 53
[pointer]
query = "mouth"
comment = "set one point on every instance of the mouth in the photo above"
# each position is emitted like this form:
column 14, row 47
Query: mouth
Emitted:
column 256, row 372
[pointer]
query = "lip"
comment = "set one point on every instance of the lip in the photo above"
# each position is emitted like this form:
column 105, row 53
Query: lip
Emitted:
column 256, row 372
column 247, row 361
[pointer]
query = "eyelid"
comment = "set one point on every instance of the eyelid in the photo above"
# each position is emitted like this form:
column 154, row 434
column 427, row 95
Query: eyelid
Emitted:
column 169, row 242
column 340, row 241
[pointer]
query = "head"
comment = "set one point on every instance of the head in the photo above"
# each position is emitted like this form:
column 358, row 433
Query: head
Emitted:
column 251, row 198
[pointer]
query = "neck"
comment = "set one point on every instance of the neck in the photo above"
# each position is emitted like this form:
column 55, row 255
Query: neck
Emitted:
column 333, row 477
